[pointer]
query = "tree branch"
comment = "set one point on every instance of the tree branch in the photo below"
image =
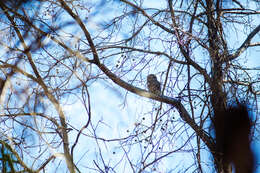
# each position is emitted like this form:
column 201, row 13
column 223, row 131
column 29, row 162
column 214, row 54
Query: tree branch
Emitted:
column 172, row 101
column 245, row 44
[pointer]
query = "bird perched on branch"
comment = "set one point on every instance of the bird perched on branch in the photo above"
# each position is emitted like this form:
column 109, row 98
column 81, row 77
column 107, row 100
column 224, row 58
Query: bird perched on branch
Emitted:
column 153, row 84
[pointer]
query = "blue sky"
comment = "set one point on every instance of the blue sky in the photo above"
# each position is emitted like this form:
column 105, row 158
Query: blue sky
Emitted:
column 116, row 112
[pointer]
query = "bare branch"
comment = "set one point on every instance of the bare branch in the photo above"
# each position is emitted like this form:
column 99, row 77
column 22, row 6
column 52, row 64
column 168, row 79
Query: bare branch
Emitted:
column 244, row 45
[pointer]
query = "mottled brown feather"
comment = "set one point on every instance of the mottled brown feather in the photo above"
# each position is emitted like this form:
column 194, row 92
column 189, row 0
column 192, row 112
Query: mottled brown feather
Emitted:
column 153, row 84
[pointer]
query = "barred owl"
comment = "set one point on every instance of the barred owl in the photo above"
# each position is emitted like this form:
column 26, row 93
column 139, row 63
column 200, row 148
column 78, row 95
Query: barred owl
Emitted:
column 153, row 84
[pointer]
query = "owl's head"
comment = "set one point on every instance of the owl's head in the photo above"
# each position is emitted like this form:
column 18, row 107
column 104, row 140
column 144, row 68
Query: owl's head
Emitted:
column 151, row 77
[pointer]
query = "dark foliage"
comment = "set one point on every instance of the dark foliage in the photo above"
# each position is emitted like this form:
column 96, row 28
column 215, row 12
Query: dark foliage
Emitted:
column 232, row 128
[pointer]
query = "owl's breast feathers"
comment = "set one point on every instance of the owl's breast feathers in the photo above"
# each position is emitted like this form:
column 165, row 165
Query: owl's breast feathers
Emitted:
column 153, row 84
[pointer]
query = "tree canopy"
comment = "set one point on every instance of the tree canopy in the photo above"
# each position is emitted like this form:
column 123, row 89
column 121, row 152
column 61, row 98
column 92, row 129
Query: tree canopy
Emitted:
column 73, row 83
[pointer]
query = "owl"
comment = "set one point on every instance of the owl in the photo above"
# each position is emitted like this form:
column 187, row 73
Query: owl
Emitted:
column 153, row 84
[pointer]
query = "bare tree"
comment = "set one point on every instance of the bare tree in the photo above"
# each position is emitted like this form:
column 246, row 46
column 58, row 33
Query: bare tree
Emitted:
column 55, row 52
